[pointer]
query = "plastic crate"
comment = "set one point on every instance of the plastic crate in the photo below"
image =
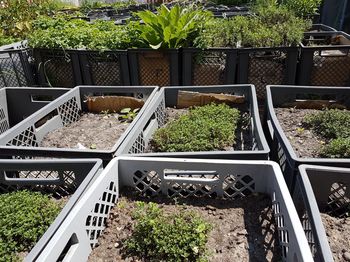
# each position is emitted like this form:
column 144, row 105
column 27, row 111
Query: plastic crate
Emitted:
column 267, row 66
column 154, row 67
column 60, row 178
column 17, row 103
column 138, row 139
column 321, row 189
column 324, row 64
column 320, row 28
column 281, row 149
column 24, row 138
column 214, row 66
column 263, row 177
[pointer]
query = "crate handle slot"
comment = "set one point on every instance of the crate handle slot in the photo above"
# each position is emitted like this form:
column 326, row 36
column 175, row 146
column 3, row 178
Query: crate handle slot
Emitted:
column 29, row 181
column 191, row 175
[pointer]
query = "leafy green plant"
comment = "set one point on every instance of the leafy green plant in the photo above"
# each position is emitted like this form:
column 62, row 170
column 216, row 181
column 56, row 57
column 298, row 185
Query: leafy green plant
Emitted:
column 232, row 2
column 24, row 218
column 330, row 124
column 205, row 128
column 170, row 28
column 337, row 148
column 128, row 114
column 179, row 236
column 303, row 8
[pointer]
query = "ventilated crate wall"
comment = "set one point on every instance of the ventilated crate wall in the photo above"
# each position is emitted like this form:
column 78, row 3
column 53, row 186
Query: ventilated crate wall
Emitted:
column 25, row 138
column 321, row 189
column 179, row 178
column 253, row 147
column 208, row 67
column 281, row 149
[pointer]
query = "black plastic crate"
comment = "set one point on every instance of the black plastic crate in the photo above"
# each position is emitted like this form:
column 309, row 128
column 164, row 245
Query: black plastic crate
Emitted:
column 154, row 67
column 214, row 66
column 253, row 147
column 323, row 64
column 321, row 189
column 56, row 67
column 108, row 68
column 281, row 149
column 267, row 66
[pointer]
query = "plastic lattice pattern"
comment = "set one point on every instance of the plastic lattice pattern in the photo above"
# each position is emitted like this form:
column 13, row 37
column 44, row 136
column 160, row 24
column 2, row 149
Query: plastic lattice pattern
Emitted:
column 138, row 146
column 4, row 125
column 69, row 111
column 105, row 69
column 58, row 70
column 160, row 113
column 25, row 138
column 11, row 69
column 96, row 221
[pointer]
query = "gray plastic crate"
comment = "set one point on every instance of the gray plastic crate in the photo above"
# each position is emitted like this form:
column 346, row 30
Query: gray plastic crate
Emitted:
column 320, row 28
column 17, row 103
column 154, row 175
column 24, row 138
column 138, row 139
column 281, row 149
column 60, row 178
column 321, row 189
column 323, row 64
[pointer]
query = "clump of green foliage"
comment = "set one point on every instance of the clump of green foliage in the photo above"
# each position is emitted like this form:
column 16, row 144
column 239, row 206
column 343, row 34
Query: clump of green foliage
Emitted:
column 303, row 8
column 176, row 237
column 170, row 28
column 24, row 218
column 128, row 114
column 78, row 34
column 205, row 128
column 273, row 26
column 333, row 125
column 330, row 124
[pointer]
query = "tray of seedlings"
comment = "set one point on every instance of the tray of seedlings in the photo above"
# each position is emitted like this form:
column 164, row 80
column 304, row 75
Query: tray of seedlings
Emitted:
column 87, row 121
column 322, row 199
column 171, row 209
column 200, row 122
column 308, row 125
column 325, row 59
column 17, row 103
column 35, row 198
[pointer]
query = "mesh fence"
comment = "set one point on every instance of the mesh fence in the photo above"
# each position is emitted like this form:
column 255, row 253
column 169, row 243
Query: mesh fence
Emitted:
column 209, row 68
column 266, row 69
column 105, row 69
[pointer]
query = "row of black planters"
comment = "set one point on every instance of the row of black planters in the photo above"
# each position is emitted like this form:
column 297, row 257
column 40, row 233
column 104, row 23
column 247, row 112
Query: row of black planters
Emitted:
column 315, row 62
column 28, row 114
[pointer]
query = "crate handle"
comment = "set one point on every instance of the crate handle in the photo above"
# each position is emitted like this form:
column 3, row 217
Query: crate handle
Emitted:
column 29, row 181
column 185, row 175
column 341, row 54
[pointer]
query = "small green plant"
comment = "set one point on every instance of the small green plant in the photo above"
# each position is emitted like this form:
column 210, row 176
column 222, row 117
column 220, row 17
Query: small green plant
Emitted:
column 179, row 236
column 128, row 114
column 170, row 28
column 303, row 8
column 24, row 218
column 330, row 123
column 337, row 148
column 205, row 128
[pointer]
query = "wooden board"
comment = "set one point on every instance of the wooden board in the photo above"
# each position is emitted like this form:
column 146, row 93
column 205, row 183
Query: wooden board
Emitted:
column 187, row 99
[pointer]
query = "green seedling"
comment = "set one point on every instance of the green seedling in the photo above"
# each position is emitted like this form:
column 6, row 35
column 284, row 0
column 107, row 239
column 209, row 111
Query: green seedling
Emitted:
column 128, row 114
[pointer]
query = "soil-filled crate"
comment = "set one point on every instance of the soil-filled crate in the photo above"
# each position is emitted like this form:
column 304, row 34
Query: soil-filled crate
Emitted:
column 36, row 196
column 267, row 66
column 316, row 28
column 108, row 68
column 212, row 122
column 15, row 68
column 243, row 208
column 322, row 200
column 209, row 66
column 299, row 125
column 154, row 67
column 17, row 103
column 87, row 121
column 325, row 59
column 58, row 68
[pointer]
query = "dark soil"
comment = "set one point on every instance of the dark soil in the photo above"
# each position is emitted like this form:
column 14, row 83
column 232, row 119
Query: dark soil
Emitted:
column 338, row 233
column 243, row 135
column 242, row 229
column 93, row 131
column 305, row 142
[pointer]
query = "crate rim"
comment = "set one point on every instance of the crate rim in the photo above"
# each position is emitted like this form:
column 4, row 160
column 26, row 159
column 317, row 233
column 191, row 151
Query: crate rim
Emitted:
column 326, row 47
column 278, row 127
